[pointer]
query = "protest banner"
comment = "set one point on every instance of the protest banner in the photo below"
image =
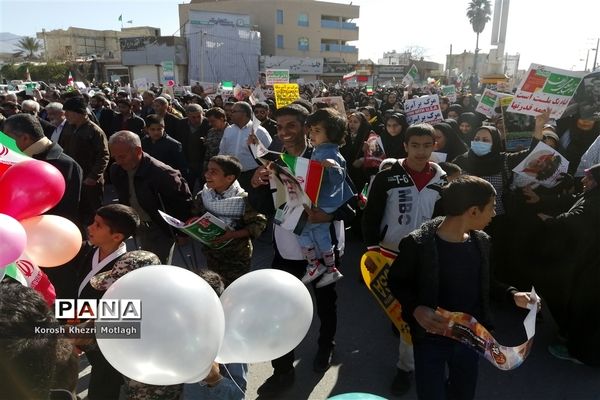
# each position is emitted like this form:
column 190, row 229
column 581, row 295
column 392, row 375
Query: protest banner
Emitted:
column 274, row 76
column 411, row 75
column 376, row 281
column 545, row 87
column 286, row 93
column 205, row 229
column 141, row 85
column 487, row 103
column 465, row 329
column 423, row 109
column 168, row 71
column 336, row 102
column 438, row 157
column 450, row 92
column 587, row 98
column 518, row 128
column 543, row 166
column 289, row 199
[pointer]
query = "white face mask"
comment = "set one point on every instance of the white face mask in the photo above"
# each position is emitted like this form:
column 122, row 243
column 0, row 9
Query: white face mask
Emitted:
column 481, row 148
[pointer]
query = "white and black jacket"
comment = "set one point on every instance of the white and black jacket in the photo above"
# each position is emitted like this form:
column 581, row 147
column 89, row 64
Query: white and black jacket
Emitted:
column 395, row 207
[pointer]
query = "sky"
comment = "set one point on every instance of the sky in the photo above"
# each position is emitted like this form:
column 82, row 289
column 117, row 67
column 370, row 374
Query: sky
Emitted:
column 556, row 34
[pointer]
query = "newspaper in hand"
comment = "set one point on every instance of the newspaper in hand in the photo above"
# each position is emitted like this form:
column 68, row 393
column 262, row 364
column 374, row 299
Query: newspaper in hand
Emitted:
column 204, row 229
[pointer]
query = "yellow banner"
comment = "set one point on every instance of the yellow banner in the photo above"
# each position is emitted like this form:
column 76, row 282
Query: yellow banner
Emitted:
column 286, row 93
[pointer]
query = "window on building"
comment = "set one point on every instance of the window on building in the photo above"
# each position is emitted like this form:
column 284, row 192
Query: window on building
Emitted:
column 280, row 17
column 303, row 43
column 280, row 41
column 302, row 19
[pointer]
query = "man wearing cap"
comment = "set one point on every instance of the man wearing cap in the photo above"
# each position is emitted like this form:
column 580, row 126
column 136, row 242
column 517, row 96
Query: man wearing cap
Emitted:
column 86, row 143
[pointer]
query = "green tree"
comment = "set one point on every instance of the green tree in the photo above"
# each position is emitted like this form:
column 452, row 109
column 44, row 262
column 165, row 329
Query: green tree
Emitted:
column 27, row 48
column 478, row 12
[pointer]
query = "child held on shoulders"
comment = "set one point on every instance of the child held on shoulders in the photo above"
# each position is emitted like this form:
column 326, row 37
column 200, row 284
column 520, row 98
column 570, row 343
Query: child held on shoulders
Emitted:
column 223, row 197
column 327, row 131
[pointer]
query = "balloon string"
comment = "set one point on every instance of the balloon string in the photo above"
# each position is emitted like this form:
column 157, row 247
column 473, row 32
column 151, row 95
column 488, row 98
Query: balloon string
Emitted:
column 233, row 380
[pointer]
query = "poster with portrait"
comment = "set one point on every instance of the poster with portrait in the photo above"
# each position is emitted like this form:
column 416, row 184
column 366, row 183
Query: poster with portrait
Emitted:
column 289, row 199
column 465, row 329
column 543, row 166
column 586, row 102
column 336, row 102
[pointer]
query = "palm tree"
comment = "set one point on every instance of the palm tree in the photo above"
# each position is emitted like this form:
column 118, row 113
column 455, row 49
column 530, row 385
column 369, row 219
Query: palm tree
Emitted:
column 27, row 47
column 478, row 12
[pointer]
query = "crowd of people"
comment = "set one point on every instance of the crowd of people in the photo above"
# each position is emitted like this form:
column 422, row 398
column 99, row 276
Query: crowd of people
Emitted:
column 456, row 233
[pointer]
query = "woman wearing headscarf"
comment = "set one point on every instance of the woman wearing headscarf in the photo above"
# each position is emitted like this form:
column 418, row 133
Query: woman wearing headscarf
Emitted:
column 358, row 131
column 468, row 123
column 448, row 142
column 393, row 136
column 569, row 277
column 486, row 160
column 576, row 135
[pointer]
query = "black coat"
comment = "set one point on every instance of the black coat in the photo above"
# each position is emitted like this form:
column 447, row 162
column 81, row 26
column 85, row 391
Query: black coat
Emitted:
column 134, row 124
column 414, row 276
column 156, row 184
column 193, row 144
column 167, row 150
column 69, row 204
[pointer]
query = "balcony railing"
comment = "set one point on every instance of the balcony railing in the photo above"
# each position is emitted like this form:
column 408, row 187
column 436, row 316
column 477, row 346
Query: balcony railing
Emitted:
column 339, row 48
column 330, row 24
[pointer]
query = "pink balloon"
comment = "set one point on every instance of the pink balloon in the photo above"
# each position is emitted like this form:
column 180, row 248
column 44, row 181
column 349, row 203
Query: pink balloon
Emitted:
column 30, row 188
column 51, row 240
column 13, row 239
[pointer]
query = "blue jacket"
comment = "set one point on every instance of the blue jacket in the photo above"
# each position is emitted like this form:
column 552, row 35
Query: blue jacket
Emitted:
column 335, row 190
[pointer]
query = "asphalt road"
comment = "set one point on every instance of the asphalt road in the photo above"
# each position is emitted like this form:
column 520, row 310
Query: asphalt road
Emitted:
column 367, row 350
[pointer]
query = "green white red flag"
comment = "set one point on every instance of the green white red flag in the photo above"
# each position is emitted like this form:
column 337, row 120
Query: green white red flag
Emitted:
column 9, row 153
column 309, row 174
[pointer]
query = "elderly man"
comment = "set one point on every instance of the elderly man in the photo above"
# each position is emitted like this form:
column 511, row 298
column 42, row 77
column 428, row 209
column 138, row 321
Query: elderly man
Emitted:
column 33, row 107
column 86, row 143
column 194, row 129
column 147, row 99
column 148, row 185
column 161, row 108
column 30, row 139
column 235, row 137
column 56, row 116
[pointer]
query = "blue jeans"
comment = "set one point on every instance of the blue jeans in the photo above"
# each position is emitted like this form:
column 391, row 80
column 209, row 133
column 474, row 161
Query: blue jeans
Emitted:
column 432, row 355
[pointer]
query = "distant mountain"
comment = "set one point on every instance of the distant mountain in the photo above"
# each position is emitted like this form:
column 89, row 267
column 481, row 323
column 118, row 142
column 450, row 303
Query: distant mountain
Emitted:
column 8, row 42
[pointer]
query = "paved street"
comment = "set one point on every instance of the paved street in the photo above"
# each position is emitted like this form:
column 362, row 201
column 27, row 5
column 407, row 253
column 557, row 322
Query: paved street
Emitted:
column 366, row 350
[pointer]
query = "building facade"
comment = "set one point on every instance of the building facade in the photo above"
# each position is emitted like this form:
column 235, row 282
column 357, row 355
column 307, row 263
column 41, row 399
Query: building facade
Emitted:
column 222, row 47
column 144, row 58
column 97, row 53
column 308, row 30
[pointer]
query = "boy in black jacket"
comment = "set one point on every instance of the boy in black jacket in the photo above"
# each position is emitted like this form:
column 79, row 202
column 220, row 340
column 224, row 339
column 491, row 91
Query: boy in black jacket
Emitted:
column 445, row 263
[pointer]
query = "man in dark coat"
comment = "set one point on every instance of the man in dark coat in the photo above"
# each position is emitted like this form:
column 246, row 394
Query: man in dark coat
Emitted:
column 194, row 130
column 30, row 139
column 148, row 185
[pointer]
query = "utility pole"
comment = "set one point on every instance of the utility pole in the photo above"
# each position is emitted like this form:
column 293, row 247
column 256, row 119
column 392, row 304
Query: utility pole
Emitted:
column 596, row 56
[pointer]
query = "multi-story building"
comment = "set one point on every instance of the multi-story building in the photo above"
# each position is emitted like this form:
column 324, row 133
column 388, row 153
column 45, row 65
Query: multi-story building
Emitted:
column 96, row 52
column 306, row 32
column 79, row 43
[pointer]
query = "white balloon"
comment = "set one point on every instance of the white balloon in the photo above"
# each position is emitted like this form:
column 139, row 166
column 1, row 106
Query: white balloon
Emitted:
column 182, row 326
column 267, row 314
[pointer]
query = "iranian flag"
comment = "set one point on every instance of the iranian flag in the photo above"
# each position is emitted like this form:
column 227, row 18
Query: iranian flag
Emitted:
column 70, row 80
column 36, row 279
column 9, row 153
column 362, row 196
column 309, row 174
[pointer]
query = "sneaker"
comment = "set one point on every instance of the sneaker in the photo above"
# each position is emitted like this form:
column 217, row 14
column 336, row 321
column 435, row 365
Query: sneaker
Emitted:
column 277, row 383
column 401, row 383
column 313, row 272
column 322, row 360
column 561, row 352
column 332, row 275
